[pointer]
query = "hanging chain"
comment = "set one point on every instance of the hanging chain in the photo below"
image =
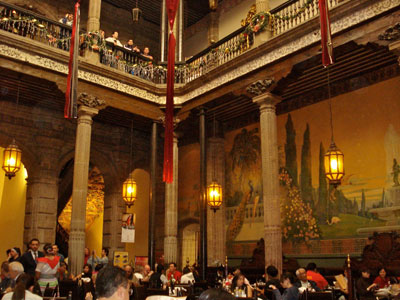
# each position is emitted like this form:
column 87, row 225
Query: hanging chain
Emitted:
column 214, row 177
column 130, row 152
column 330, row 102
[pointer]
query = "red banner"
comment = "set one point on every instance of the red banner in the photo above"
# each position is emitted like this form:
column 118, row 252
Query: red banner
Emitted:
column 326, row 39
column 70, row 109
column 172, row 6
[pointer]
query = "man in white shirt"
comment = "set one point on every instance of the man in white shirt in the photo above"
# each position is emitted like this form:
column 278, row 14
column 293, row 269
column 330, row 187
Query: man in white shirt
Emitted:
column 114, row 39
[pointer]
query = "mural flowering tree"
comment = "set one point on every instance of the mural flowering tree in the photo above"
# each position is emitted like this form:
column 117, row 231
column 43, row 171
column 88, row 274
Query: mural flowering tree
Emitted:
column 298, row 221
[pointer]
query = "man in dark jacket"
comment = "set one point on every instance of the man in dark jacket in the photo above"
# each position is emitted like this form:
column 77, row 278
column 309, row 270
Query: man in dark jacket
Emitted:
column 29, row 258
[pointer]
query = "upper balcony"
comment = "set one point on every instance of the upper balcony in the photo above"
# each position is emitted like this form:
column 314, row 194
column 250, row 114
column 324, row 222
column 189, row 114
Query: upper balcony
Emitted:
column 269, row 46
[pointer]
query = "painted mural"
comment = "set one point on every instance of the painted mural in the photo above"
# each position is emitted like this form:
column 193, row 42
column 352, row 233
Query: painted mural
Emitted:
column 315, row 217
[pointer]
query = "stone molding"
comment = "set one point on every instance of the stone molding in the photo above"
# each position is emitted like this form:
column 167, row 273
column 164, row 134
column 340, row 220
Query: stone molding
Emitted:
column 346, row 21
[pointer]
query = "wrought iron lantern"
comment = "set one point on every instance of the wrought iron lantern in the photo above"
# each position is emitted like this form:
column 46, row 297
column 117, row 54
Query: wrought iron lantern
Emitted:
column 12, row 159
column 214, row 196
column 136, row 13
column 334, row 165
column 129, row 192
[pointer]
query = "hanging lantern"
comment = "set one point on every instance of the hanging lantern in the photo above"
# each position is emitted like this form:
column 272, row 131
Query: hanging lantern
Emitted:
column 129, row 192
column 213, row 4
column 136, row 14
column 334, row 165
column 12, row 160
column 214, row 196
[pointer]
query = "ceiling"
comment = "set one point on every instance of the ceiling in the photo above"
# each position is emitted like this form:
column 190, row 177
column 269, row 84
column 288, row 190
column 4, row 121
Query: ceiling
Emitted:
column 151, row 9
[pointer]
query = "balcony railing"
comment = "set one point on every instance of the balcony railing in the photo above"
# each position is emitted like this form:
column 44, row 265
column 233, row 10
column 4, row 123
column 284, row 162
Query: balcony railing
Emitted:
column 284, row 18
column 34, row 26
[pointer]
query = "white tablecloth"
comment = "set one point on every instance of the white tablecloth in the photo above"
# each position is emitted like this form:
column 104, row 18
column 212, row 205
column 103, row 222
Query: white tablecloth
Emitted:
column 163, row 297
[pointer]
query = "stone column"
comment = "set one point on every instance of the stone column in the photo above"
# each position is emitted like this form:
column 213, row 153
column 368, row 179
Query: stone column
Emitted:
column 171, row 212
column 42, row 196
column 262, row 37
column 114, row 207
column 262, row 5
column 270, row 179
column 213, row 28
column 89, row 107
column 93, row 24
column 216, row 247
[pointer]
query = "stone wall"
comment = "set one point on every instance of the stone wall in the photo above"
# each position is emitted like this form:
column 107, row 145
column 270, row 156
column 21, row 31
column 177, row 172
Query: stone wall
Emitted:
column 47, row 142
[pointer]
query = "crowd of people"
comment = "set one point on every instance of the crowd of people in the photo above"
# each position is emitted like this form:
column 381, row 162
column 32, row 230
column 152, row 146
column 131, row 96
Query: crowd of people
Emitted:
column 35, row 271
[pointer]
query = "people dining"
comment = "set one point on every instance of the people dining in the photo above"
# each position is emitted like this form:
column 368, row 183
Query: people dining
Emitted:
column 314, row 275
column 158, row 279
column 382, row 281
column 303, row 283
column 239, row 288
column 291, row 291
column 47, row 268
column 364, row 287
column 23, row 289
column 173, row 273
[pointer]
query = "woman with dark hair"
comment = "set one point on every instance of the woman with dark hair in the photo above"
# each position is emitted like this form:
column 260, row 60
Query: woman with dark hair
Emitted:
column 15, row 254
column 382, row 280
column 47, row 268
column 291, row 292
column 22, row 290
column 239, row 288
column 158, row 279
column 85, row 281
column 215, row 294
column 365, row 289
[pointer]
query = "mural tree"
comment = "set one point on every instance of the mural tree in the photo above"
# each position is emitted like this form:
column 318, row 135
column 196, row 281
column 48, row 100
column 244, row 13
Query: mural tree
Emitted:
column 290, row 150
column 298, row 222
column 363, row 212
column 305, row 175
column 245, row 176
column 322, row 188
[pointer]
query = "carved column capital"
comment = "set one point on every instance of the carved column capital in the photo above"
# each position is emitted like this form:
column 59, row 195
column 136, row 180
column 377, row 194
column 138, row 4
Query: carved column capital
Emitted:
column 84, row 99
column 261, row 86
column 267, row 101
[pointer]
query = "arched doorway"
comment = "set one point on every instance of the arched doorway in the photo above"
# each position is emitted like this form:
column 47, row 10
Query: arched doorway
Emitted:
column 94, row 209
column 190, row 244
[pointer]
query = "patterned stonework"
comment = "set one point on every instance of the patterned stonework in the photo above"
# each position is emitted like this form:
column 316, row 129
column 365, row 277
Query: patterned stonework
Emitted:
column 363, row 14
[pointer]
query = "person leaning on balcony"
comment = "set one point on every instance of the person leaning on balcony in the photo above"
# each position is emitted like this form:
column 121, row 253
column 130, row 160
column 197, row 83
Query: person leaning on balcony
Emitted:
column 129, row 45
column 146, row 53
column 114, row 39
column 67, row 20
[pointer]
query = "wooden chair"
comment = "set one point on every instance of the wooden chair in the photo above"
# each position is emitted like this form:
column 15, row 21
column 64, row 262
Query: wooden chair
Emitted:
column 139, row 292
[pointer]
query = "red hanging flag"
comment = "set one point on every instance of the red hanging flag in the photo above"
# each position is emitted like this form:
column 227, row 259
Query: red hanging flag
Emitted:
column 172, row 6
column 70, row 108
column 326, row 39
